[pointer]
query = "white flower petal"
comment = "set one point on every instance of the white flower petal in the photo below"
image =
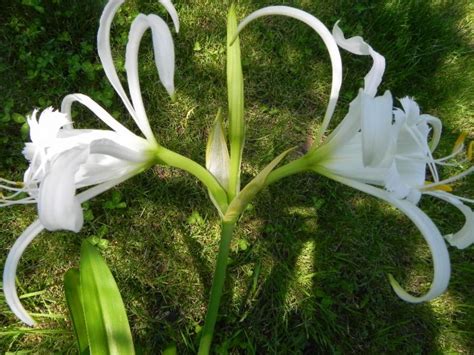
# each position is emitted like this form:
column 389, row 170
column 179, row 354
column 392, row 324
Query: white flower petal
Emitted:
column 102, row 114
column 348, row 127
column 168, row 5
column 114, row 149
column 412, row 172
column 48, row 125
column 328, row 40
column 105, row 54
column 358, row 46
column 11, row 264
column 9, row 272
column 377, row 128
column 104, row 168
column 58, row 207
column 164, row 51
column 465, row 236
column 431, row 234
column 164, row 59
column 437, row 126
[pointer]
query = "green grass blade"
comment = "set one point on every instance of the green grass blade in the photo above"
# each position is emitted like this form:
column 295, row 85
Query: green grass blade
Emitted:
column 235, row 92
column 107, row 324
column 72, row 289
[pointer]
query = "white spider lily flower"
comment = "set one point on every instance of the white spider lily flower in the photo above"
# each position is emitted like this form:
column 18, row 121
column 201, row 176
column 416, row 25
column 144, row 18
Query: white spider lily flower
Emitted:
column 397, row 163
column 64, row 159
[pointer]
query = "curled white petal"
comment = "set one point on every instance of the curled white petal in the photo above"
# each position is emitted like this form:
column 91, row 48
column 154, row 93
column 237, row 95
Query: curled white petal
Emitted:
column 164, row 59
column 465, row 236
column 9, row 272
column 439, row 252
column 11, row 264
column 102, row 114
column 168, row 5
column 437, row 127
column 358, row 46
column 105, row 54
column 164, row 51
column 328, row 40
column 58, row 207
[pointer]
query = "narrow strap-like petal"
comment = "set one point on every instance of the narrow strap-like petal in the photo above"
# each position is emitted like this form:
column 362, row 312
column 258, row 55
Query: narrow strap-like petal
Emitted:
column 58, row 207
column 11, row 264
column 465, row 236
column 102, row 114
column 116, row 150
column 9, row 272
column 439, row 252
column 164, row 59
column 437, row 127
column 168, row 5
column 105, row 54
column 328, row 40
column 358, row 46
column 377, row 128
column 163, row 47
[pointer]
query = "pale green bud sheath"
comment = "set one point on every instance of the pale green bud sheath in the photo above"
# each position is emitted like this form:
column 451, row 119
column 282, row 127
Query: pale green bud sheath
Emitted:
column 235, row 91
column 176, row 160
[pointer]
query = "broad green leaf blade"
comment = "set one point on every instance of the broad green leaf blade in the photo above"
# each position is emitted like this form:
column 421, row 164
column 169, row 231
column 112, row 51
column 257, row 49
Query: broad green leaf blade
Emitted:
column 217, row 155
column 72, row 289
column 240, row 202
column 107, row 324
column 170, row 350
column 235, row 92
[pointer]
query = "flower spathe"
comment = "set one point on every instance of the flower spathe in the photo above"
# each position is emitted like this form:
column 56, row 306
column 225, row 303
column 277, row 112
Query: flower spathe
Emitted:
column 64, row 159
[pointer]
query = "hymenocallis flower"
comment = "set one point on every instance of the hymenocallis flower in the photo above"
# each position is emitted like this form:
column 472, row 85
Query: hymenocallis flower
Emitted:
column 64, row 159
column 393, row 148
column 382, row 151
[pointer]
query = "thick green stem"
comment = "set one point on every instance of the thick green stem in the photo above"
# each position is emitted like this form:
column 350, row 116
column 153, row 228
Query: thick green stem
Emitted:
column 296, row 166
column 178, row 161
column 216, row 290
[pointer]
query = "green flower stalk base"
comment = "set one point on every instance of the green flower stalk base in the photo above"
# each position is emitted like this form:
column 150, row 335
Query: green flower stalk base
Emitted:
column 216, row 290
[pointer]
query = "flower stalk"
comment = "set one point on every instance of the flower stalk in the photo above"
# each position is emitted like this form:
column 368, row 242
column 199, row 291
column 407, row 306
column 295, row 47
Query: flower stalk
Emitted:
column 217, row 287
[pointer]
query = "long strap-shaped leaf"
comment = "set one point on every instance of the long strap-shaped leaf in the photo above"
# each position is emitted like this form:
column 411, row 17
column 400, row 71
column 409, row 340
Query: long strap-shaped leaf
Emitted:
column 106, row 320
column 235, row 93
column 72, row 288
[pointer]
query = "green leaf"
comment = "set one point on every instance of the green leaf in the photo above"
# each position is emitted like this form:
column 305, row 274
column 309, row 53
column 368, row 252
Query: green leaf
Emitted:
column 24, row 130
column 235, row 92
column 170, row 350
column 107, row 325
column 217, row 155
column 240, row 202
column 18, row 118
column 72, row 288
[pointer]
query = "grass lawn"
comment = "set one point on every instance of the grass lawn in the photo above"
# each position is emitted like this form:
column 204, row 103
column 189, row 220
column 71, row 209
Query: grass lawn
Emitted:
column 310, row 258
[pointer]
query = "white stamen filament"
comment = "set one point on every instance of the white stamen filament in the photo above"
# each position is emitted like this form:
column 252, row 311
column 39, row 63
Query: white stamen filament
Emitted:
column 448, row 180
